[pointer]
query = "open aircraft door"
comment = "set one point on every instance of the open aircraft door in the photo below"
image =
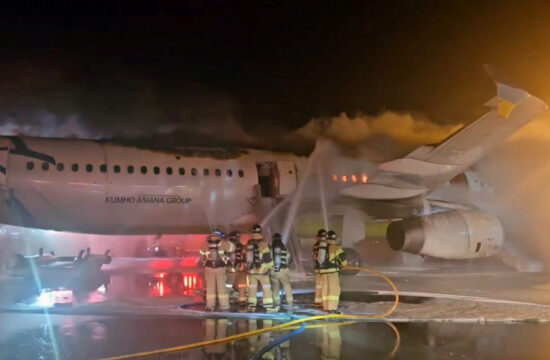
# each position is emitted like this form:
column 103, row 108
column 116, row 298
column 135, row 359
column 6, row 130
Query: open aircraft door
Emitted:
column 276, row 179
column 5, row 145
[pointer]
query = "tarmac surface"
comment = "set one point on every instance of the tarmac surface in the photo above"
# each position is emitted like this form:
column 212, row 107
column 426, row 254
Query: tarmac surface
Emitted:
column 469, row 313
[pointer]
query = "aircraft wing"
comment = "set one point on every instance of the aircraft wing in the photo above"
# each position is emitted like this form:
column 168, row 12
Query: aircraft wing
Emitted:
column 428, row 167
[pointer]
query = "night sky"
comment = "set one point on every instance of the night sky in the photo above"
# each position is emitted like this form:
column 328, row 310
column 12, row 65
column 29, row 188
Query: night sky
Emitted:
column 131, row 66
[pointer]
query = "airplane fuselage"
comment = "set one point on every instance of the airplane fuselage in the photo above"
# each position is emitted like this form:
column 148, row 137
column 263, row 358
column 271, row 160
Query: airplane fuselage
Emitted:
column 98, row 187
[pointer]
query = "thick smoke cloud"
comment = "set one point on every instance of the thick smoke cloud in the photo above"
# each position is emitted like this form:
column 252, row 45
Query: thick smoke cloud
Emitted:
column 402, row 127
column 519, row 172
column 378, row 138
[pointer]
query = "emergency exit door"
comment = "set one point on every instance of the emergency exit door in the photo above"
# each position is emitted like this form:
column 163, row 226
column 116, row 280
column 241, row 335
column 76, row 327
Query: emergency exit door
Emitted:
column 276, row 179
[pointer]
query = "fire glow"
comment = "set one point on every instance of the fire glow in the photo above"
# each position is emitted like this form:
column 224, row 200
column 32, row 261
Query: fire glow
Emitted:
column 354, row 178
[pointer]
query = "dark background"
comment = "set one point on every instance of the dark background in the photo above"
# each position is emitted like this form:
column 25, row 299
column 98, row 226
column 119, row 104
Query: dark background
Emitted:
column 127, row 67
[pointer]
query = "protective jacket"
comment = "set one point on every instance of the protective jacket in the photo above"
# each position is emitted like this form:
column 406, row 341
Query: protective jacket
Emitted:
column 334, row 259
column 316, row 246
column 258, row 256
column 214, row 252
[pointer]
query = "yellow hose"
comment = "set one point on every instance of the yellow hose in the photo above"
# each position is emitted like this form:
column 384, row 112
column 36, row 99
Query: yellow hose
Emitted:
column 279, row 327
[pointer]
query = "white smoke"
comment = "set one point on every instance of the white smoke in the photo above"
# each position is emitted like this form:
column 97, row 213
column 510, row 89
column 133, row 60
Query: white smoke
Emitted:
column 377, row 138
column 519, row 172
column 47, row 124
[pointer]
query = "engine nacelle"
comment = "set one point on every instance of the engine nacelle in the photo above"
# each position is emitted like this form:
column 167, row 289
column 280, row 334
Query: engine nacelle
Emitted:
column 455, row 234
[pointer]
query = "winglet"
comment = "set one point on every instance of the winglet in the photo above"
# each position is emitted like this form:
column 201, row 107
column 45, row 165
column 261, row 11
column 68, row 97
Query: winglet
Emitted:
column 508, row 96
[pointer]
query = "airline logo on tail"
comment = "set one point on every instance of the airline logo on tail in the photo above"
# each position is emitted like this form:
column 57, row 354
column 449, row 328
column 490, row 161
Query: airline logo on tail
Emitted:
column 507, row 96
column 507, row 99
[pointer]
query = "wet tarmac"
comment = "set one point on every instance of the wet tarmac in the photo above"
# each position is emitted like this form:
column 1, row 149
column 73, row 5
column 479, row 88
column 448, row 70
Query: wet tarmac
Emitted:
column 36, row 336
column 489, row 315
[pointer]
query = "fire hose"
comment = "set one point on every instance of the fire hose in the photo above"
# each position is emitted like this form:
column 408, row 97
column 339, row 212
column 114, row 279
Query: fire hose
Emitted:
column 284, row 326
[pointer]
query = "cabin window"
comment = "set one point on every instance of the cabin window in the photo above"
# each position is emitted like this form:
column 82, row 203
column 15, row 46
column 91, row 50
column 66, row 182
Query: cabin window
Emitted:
column 169, row 170
column 229, row 173
column 45, row 166
column 89, row 168
column 103, row 168
column 156, row 170
column 241, row 173
column 74, row 167
column 116, row 168
column 181, row 171
column 206, row 172
column 30, row 165
column 60, row 167
column 144, row 170
column 194, row 172
column 218, row 172
column 130, row 169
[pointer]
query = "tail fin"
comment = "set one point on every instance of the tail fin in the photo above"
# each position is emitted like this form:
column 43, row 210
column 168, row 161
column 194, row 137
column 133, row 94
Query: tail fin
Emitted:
column 513, row 107
column 507, row 97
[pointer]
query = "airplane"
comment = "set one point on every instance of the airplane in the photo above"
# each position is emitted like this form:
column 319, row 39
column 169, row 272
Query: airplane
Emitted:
column 101, row 187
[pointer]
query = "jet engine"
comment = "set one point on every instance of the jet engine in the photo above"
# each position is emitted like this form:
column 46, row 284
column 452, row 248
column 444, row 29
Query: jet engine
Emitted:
column 454, row 234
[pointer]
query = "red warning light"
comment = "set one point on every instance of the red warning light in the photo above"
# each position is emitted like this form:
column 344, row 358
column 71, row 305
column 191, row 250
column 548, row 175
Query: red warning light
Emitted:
column 344, row 178
column 335, row 177
column 364, row 178
column 354, row 178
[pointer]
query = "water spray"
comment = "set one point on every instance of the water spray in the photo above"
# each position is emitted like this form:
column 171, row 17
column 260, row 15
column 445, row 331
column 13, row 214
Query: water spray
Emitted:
column 322, row 195
column 297, row 197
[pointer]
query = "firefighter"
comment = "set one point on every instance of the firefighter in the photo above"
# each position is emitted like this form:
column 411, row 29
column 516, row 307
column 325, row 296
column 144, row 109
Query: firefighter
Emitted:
column 279, row 273
column 321, row 236
column 258, row 262
column 214, row 258
column 330, row 259
column 237, row 275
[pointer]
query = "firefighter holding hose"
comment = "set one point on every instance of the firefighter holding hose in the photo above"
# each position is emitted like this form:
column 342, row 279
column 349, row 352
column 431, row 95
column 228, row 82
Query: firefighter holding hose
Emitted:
column 330, row 260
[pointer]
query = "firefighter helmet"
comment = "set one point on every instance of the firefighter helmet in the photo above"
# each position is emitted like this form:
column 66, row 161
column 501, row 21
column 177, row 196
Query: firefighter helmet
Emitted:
column 257, row 229
column 331, row 235
column 321, row 233
column 213, row 237
column 218, row 233
column 277, row 236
